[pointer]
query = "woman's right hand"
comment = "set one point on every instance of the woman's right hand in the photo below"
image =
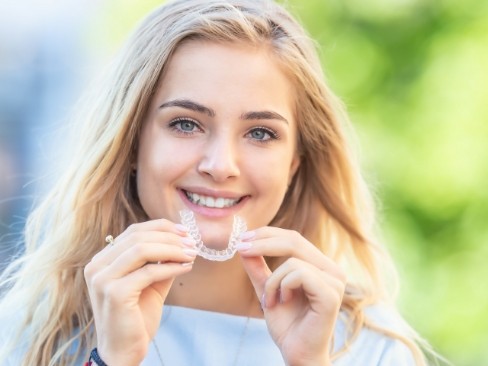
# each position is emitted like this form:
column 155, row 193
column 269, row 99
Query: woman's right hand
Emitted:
column 128, row 283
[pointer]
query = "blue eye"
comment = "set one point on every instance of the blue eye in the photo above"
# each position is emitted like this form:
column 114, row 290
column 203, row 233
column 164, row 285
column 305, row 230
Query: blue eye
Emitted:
column 263, row 134
column 184, row 125
column 187, row 125
column 258, row 134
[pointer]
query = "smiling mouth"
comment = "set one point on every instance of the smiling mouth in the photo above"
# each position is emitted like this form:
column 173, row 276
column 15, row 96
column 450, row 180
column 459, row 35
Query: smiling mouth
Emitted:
column 211, row 202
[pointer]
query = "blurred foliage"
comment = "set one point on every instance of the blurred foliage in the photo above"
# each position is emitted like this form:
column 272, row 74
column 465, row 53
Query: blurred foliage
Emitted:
column 413, row 75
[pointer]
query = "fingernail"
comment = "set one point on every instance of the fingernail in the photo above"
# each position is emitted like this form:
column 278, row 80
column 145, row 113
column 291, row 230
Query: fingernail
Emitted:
column 246, row 235
column 241, row 247
column 181, row 228
column 263, row 301
column 188, row 241
column 190, row 252
column 187, row 264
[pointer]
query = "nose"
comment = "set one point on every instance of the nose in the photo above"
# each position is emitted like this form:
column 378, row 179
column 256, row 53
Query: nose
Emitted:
column 220, row 159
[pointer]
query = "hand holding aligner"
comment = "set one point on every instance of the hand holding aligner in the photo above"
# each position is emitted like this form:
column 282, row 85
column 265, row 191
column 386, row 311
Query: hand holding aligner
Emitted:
column 238, row 227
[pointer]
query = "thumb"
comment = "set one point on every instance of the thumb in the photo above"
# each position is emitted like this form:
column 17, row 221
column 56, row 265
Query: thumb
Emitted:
column 258, row 272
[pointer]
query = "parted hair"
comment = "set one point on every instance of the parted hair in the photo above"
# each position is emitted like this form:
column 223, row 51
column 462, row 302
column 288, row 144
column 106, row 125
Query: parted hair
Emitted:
column 327, row 201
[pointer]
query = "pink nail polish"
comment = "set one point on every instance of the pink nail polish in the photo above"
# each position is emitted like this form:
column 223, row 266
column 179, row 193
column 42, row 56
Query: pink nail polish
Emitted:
column 243, row 246
column 247, row 235
column 189, row 242
column 190, row 252
column 263, row 301
column 181, row 228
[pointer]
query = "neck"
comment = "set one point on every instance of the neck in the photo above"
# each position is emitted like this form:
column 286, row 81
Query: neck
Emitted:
column 222, row 287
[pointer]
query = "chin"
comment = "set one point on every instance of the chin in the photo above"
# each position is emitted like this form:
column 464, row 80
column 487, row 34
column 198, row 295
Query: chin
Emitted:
column 216, row 241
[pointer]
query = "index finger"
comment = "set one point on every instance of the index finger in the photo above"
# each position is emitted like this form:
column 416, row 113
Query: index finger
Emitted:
column 155, row 225
column 277, row 242
column 153, row 230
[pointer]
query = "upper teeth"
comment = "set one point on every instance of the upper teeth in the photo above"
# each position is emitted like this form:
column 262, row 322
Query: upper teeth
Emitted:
column 207, row 201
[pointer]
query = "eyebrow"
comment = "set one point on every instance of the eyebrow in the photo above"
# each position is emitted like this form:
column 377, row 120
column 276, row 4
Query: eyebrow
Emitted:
column 197, row 107
column 189, row 104
column 263, row 115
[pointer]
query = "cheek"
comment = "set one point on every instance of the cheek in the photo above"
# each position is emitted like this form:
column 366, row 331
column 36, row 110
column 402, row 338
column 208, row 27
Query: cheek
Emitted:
column 275, row 167
column 158, row 164
column 270, row 178
column 160, row 155
column 271, row 186
column 162, row 166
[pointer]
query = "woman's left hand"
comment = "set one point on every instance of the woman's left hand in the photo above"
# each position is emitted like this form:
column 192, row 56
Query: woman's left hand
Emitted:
column 301, row 298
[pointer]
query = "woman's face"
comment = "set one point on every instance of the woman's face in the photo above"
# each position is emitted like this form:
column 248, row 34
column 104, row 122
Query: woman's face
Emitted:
column 219, row 139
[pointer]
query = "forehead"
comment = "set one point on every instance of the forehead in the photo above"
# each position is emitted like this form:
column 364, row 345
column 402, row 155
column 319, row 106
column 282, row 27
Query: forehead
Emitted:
column 210, row 71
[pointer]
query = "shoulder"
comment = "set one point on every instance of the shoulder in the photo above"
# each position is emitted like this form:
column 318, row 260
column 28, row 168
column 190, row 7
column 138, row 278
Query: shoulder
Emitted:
column 373, row 346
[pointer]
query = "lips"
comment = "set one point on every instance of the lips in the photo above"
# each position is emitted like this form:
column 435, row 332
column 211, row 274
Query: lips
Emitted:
column 211, row 201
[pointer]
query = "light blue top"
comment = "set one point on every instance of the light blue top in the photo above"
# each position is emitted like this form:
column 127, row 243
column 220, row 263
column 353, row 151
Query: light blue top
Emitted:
column 196, row 337
column 190, row 337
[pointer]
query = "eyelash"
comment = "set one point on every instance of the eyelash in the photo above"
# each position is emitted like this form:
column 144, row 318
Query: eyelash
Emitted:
column 173, row 125
column 273, row 135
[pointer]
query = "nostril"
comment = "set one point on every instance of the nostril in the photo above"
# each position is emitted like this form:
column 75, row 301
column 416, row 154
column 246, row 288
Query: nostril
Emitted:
column 219, row 166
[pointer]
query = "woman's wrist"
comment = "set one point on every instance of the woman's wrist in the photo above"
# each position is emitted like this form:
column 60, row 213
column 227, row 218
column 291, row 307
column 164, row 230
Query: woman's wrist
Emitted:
column 313, row 363
column 319, row 361
column 95, row 359
column 100, row 357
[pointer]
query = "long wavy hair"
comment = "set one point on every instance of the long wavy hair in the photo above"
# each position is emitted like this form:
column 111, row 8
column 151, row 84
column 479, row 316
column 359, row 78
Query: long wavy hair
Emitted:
column 327, row 201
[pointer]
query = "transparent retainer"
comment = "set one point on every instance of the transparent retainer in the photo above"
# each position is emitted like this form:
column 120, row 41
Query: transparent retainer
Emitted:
column 238, row 227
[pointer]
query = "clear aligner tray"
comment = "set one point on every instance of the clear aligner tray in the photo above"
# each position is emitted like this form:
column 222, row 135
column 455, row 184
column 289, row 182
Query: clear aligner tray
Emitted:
column 238, row 227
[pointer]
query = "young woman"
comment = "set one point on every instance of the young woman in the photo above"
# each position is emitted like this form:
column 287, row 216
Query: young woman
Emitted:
column 217, row 108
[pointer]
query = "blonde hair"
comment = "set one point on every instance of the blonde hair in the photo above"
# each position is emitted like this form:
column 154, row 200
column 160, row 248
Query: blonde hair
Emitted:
column 327, row 201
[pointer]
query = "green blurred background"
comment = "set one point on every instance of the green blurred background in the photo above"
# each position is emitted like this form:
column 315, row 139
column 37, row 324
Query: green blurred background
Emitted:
column 413, row 75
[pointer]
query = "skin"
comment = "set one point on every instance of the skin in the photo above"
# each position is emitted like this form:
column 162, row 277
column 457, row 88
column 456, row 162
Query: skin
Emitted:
column 233, row 136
